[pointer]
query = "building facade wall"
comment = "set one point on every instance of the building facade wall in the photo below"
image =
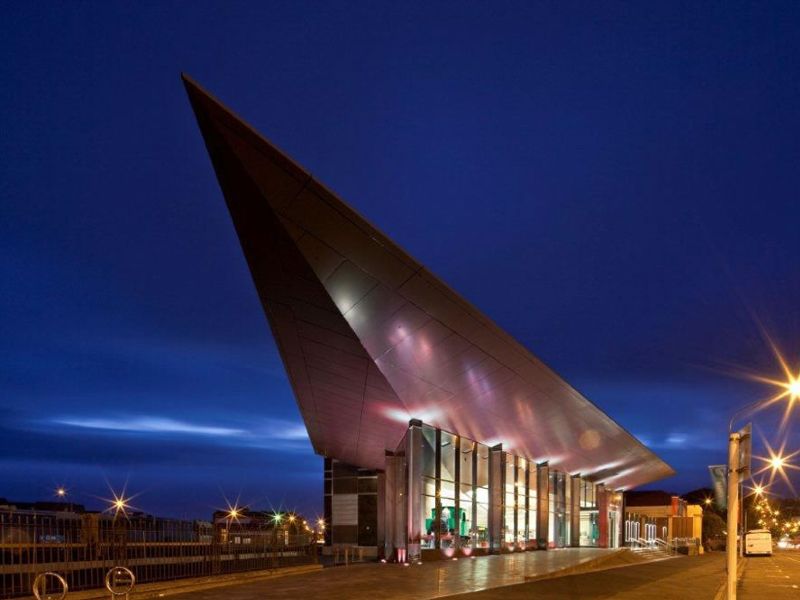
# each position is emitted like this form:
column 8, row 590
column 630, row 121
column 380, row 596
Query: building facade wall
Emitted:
column 442, row 495
column 351, row 505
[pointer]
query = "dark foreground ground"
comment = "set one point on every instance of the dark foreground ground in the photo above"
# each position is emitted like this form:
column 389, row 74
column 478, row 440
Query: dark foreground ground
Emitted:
column 695, row 578
column 680, row 578
column 504, row 577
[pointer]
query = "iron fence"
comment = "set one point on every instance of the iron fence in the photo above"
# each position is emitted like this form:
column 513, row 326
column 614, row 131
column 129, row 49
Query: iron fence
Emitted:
column 82, row 548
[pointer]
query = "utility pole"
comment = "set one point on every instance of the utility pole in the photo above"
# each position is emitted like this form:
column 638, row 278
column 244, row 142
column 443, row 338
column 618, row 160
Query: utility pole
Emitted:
column 733, row 510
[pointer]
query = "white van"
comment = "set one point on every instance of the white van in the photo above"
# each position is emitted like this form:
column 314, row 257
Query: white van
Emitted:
column 758, row 541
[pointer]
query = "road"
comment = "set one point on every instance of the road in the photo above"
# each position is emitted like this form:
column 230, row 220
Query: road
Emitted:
column 775, row 577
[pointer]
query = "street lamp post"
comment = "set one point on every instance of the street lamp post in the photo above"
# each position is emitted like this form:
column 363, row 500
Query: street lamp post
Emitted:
column 733, row 506
column 791, row 390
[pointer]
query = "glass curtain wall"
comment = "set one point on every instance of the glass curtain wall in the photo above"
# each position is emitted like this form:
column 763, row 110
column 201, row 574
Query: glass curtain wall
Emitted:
column 454, row 501
column 522, row 490
column 532, row 498
column 558, row 533
column 455, row 491
column 430, row 526
column 589, row 521
column 519, row 502
column 481, row 534
column 510, row 501
column 466, row 496
column 451, row 519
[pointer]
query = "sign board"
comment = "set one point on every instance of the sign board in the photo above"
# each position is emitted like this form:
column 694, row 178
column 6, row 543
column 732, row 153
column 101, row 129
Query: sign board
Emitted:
column 745, row 449
column 719, row 481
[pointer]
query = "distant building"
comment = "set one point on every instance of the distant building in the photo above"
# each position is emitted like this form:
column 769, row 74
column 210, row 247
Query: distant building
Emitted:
column 267, row 527
column 651, row 515
column 58, row 522
column 46, row 505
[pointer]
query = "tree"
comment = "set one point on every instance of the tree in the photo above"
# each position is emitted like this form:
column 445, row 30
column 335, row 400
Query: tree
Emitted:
column 713, row 531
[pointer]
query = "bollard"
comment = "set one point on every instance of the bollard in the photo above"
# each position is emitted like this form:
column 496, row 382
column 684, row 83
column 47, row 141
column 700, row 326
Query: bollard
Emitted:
column 120, row 581
column 40, row 586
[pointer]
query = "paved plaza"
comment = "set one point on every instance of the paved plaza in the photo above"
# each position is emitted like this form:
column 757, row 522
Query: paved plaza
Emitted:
column 508, row 577
column 681, row 578
column 434, row 579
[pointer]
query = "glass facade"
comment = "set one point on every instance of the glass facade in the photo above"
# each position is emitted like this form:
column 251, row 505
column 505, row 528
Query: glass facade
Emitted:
column 454, row 486
column 522, row 513
column 589, row 521
column 453, row 519
column 430, row 489
column 510, row 501
column 558, row 519
column 481, row 490
column 532, row 498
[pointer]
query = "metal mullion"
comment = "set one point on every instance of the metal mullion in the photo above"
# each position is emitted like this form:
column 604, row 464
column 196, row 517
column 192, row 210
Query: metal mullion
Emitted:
column 438, row 488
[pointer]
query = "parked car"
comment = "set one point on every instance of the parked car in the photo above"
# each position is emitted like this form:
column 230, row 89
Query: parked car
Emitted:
column 758, row 542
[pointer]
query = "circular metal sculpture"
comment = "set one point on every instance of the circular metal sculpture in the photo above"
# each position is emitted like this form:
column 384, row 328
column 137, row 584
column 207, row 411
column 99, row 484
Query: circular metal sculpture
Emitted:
column 40, row 586
column 120, row 581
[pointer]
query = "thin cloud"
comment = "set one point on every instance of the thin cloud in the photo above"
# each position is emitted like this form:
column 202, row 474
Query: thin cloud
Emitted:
column 148, row 425
column 264, row 433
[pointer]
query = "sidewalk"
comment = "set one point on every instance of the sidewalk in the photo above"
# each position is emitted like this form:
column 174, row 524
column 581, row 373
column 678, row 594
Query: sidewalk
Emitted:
column 433, row 579
column 695, row 578
column 161, row 589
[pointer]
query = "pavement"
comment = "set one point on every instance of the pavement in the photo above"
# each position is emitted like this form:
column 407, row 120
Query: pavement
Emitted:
column 775, row 577
column 434, row 579
column 574, row 573
column 695, row 577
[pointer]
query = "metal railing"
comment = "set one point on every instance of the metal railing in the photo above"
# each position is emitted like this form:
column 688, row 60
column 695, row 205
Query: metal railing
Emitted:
column 82, row 551
column 664, row 546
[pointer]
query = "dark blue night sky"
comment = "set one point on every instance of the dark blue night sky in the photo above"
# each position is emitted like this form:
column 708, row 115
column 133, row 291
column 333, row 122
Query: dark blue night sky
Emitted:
column 616, row 184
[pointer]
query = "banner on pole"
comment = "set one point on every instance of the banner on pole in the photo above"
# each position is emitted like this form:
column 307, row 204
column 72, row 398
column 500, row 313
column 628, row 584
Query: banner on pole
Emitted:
column 745, row 449
column 719, row 482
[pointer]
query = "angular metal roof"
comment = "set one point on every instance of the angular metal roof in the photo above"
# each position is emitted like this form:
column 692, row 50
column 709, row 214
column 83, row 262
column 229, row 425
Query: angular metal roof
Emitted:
column 370, row 338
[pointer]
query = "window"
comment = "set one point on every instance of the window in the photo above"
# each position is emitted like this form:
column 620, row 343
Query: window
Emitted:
column 448, row 446
column 466, row 496
column 532, row 499
column 428, row 504
column 450, row 518
column 482, row 497
column 510, row 501
column 521, row 496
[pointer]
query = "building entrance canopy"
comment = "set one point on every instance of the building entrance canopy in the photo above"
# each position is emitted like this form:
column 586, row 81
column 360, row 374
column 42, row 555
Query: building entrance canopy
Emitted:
column 371, row 339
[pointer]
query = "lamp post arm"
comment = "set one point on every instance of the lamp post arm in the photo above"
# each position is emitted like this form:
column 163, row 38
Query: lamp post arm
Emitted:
column 741, row 410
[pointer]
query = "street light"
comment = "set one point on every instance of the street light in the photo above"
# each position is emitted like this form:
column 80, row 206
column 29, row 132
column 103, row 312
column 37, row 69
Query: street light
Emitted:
column 120, row 504
column 777, row 462
column 757, row 490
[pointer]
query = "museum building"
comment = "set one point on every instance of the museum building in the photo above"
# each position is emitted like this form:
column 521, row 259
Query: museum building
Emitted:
column 442, row 436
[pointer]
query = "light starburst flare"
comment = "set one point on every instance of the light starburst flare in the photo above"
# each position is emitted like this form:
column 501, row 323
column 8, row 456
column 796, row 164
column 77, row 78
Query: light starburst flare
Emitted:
column 120, row 504
column 787, row 388
column 777, row 462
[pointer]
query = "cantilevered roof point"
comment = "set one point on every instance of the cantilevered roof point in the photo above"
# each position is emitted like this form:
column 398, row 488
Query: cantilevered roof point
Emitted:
column 371, row 339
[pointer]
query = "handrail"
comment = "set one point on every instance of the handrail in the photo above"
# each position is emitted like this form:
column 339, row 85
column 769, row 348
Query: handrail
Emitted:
column 665, row 545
